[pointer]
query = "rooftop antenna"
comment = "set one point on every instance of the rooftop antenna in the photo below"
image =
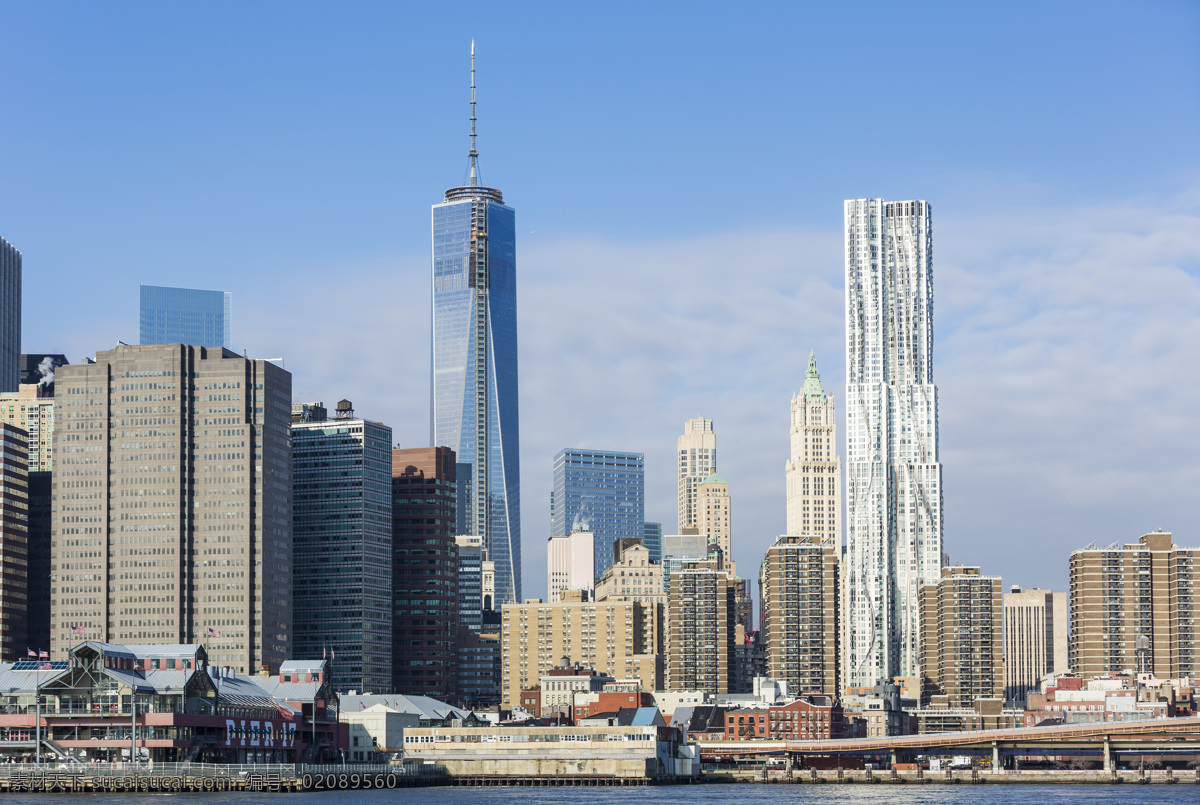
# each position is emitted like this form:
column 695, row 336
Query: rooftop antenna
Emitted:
column 473, row 155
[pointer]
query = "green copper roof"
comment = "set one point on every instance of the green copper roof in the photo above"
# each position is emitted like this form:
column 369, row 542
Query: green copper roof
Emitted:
column 813, row 390
column 714, row 479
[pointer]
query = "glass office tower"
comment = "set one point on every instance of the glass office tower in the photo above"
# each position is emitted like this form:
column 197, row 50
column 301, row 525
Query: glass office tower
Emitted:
column 473, row 372
column 342, row 544
column 653, row 540
column 10, row 317
column 185, row 316
column 603, row 490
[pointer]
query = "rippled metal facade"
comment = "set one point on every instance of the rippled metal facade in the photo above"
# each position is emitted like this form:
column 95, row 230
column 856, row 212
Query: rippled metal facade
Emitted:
column 893, row 473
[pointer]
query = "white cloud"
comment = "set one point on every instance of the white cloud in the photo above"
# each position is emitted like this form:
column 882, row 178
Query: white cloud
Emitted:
column 1066, row 355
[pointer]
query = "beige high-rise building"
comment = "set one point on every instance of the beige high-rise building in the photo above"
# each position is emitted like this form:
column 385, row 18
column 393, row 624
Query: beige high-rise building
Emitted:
column 571, row 563
column 701, row 626
column 961, row 637
column 172, row 498
column 800, row 630
column 1119, row 594
column 618, row 638
column 714, row 514
column 633, row 576
column 697, row 455
column 35, row 415
column 814, row 471
column 1035, row 640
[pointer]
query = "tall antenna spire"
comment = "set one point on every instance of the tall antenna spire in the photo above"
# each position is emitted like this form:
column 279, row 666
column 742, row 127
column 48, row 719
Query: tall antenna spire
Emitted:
column 473, row 155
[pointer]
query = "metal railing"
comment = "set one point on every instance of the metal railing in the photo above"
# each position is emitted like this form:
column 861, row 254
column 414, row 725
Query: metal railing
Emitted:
column 286, row 770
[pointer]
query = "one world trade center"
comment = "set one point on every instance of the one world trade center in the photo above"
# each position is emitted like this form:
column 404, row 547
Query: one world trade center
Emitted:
column 473, row 371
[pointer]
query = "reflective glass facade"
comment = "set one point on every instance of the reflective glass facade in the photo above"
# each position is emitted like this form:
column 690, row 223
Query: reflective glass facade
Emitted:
column 185, row 316
column 10, row 317
column 604, row 490
column 652, row 539
column 342, row 548
column 473, row 382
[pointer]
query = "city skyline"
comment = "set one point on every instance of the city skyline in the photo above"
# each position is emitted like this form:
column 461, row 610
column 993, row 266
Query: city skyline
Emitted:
column 1074, row 295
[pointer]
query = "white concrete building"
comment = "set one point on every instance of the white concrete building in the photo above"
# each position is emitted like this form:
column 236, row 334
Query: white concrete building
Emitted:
column 697, row 450
column 893, row 473
column 383, row 725
column 571, row 564
column 814, row 471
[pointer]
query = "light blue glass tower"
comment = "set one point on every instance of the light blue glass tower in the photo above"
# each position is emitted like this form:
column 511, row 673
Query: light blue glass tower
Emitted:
column 185, row 316
column 604, row 490
column 473, row 368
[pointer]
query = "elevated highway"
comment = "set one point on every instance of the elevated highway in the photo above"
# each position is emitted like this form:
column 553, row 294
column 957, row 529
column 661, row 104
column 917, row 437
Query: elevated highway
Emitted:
column 1163, row 736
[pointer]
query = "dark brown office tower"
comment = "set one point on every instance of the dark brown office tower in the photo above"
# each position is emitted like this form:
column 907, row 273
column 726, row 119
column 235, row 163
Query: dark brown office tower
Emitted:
column 424, row 572
column 14, row 541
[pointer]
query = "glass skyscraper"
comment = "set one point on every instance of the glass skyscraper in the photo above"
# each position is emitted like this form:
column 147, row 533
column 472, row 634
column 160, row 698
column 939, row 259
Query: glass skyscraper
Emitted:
column 10, row 317
column 342, row 545
column 185, row 316
column 893, row 474
column 653, row 540
column 604, row 490
column 473, row 372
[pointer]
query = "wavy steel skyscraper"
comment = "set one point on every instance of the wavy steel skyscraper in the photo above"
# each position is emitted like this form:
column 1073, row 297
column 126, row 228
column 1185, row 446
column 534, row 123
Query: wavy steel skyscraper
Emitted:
column 473, row 383
column 893, row 476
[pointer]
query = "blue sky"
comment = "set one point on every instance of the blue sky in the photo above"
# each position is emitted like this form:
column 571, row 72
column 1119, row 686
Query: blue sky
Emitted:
column 678, row 172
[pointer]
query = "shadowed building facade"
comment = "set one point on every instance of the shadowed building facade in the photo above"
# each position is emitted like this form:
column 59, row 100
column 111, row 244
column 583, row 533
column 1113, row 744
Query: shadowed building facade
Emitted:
column 342, row 544
column 424, row 572
column 14, row 543
column 10, row 317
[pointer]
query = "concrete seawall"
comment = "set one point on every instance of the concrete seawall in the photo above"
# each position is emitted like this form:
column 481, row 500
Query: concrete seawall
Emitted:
column 959, row 777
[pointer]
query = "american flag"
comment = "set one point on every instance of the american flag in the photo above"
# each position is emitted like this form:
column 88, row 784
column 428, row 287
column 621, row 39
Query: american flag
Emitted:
column 213, row 632
column 77, row 630
column 31, row 652
column 45, row 655
column 45, row 667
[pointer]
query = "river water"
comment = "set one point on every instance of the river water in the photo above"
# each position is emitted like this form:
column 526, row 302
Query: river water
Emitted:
column 742, row 793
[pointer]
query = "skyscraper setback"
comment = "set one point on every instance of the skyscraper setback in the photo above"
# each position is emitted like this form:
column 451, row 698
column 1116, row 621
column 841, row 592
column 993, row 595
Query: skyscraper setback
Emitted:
column 893, row 475
column 814, row 472
column 473, row 372
column 697, row 449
